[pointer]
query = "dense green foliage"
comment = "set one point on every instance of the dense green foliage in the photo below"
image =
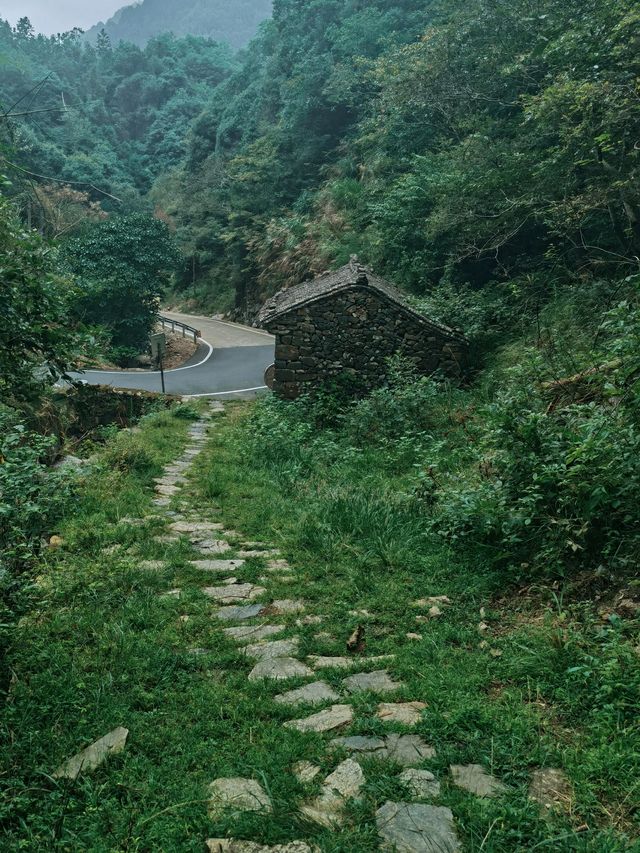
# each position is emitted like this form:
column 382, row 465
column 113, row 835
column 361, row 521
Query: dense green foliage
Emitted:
column 465, row 145
column 234, row 23
column 122, row 265
column 110, row 120
column 36, row 338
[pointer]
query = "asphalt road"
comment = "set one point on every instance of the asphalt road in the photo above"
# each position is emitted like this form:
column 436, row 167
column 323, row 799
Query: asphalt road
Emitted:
column 231, row 360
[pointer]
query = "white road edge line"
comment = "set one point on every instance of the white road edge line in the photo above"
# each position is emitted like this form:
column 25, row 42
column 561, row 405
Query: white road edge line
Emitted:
column 153, row 372
column 223, row 393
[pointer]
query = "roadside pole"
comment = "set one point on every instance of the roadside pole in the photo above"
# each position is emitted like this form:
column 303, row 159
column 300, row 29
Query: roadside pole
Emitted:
column 158, row 351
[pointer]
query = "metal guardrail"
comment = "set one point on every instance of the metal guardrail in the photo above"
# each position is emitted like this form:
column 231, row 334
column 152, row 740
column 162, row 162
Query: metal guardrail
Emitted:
column 176, row 324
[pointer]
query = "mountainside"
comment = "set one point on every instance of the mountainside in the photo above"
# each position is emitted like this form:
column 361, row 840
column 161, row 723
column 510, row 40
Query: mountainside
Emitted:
column 235, row 23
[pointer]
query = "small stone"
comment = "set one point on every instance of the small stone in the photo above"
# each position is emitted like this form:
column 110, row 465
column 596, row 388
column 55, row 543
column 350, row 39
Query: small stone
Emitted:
column 56, row 542
column 414, row 637
column 228, row 614
column 284, row 606
column 93, row 756
column 375, row 682
column 229, row 845
column 234, row 592
column 305, row 772
column 495, row 653
column 166, row 540
column 222, row 566
column 422, row 784
column 332, row 718
column 416, row 828
column 551, row 788
column 309, row 620
column 432, row 601
column 275, row 649
column 482, row 627
column 342, row 785
column 172, row 593
column 434, row 612
column 362, row 613
column 253, row 633
column 407, row 713
column 475, row 779
column 279, row 669
column 240, row 795
column 310, row 694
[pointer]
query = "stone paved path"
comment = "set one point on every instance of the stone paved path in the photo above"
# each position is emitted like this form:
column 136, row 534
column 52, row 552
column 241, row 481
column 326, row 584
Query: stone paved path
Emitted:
column 256, row 622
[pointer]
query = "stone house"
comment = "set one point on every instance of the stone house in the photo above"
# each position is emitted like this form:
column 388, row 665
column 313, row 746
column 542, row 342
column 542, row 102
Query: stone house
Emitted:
column 346, row 323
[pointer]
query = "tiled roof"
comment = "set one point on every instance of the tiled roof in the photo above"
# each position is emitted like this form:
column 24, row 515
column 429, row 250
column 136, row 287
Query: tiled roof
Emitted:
column 350, row 276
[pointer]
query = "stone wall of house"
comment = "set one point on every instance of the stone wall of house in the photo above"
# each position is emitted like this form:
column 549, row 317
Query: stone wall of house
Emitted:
column 352, row 333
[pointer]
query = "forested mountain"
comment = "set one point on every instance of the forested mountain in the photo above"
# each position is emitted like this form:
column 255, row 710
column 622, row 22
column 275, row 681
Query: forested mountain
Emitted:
column 232, row 22
column 107, row 118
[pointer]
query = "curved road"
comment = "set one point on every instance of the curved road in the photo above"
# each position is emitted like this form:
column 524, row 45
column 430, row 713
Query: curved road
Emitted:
column 231, row 359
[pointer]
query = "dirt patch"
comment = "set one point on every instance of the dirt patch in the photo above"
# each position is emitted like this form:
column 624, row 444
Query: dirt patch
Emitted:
column 179, row 351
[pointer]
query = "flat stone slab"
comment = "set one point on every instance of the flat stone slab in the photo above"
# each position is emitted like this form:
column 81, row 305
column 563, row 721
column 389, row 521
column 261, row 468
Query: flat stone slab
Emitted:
column 551, row 788
column 221, row 566
column 305, row 772
column 196, row 526
column 279, row 669
column 250, row 633
column 406, row 750
column 167, row 491
column 229, row 614
column 324, row 662
column 93, row 756
column 251, row 554
column 234, row 592
column 422, row 784
column 342, row 785
column 274, row 649
column 240, row 795
column 284, row 606
column 328, row 720
column 211, row 546
column 310, row 694
column 228, row 845
column 375, row 682
column 475, row 779
column 407, row 713
column 416, row 828
column 166, row 540
column 151, row 565
column 172, row 593
column 278, row 566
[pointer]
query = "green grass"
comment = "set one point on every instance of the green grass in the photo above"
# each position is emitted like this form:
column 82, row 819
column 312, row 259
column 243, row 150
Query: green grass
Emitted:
column 102, row 648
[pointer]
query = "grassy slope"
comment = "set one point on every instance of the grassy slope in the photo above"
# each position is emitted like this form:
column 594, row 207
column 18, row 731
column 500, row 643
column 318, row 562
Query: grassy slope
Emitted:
column 103, row 649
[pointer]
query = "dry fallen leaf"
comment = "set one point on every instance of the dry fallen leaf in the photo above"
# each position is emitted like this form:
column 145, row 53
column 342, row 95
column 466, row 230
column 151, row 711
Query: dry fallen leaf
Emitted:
column 356, row 643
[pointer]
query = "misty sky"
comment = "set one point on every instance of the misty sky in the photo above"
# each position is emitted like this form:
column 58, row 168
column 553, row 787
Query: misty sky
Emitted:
column 56, row 16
